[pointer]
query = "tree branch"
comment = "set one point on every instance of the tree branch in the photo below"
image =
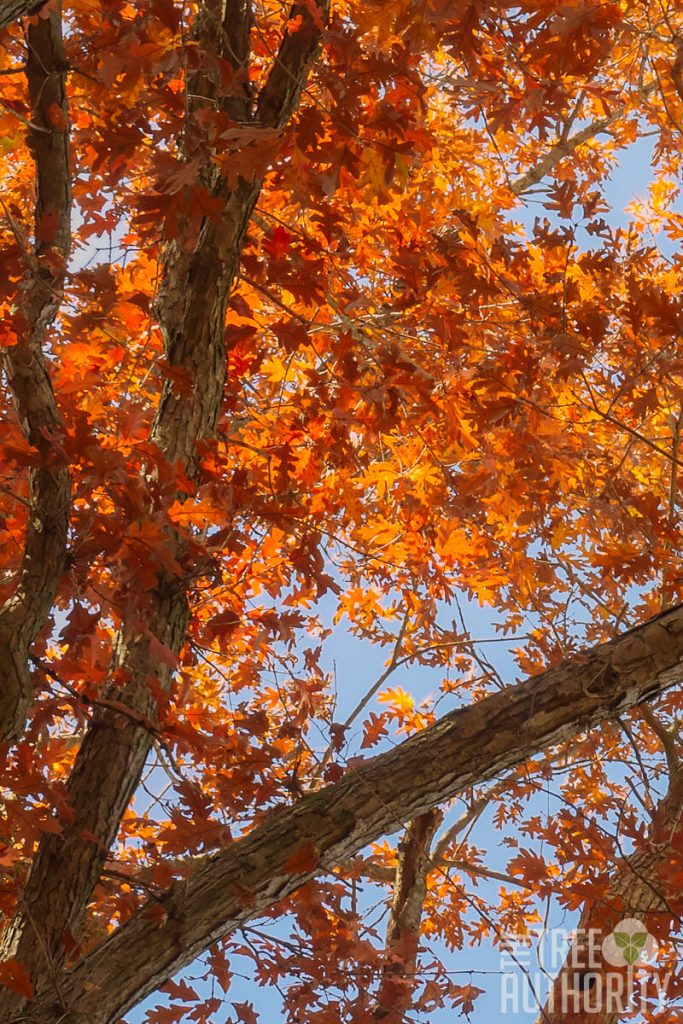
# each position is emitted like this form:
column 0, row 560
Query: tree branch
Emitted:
column 24, row 614
column 564, row 147
column 326, row 828
column 403, row 930
column 280, row 94
column 197, row 279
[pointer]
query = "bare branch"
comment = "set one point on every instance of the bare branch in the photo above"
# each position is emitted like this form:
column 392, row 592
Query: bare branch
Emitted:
column 564, row 147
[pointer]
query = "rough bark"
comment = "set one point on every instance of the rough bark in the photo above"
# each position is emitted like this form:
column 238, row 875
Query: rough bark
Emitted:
column 12, row 10
column 466, row 747
column 194, row 294
column 28, row 373
column 403, row 931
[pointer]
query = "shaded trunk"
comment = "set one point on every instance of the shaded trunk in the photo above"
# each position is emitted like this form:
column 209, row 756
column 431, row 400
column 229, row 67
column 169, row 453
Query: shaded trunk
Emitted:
column 195, row 290
column 28, row 373
column 12, row 10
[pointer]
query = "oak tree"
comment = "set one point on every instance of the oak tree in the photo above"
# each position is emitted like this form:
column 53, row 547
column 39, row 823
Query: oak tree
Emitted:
column 318, row 323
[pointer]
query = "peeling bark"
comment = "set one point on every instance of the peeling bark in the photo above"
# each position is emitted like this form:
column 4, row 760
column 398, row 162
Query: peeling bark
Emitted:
column 28, row 373
column 466, row 747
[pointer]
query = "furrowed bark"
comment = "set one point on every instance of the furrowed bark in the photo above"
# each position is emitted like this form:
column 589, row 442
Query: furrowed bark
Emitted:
column 12, row 10
column 194, row 294
column 465, row 748
column 25, row 612
column 403, row 931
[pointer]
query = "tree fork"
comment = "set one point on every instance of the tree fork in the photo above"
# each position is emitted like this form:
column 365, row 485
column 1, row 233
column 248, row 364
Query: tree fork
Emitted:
column 194, row 295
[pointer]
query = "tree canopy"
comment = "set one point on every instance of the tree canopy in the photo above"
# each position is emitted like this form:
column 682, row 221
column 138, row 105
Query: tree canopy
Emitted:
column 319, row 327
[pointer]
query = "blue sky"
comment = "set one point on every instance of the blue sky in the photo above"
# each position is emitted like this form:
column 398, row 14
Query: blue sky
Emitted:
column 357, row 665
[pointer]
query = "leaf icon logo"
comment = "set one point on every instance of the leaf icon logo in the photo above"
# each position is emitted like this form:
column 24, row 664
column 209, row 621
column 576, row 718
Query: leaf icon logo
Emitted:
column 628, row 944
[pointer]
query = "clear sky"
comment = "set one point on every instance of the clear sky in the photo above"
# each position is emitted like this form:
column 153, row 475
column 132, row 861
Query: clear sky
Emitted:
column 358, row 665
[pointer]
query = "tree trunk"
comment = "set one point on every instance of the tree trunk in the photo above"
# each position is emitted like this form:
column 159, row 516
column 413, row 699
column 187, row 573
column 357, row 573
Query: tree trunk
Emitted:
column 194, row 294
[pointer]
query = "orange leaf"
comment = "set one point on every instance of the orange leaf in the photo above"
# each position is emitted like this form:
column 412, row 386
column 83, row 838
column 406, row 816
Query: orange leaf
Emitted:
column 305, row 858
column 14, row 976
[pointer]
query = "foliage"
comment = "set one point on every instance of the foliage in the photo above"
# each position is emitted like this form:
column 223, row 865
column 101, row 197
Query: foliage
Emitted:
column 418, row 399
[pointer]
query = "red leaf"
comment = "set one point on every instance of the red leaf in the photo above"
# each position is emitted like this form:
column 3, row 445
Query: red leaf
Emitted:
column 245, row 1012
column 305, row 858
column 14, row 977
column 278, row 243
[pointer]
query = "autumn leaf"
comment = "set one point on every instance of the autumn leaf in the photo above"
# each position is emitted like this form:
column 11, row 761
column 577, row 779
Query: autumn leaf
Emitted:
column 15, row 977
column 304, row 859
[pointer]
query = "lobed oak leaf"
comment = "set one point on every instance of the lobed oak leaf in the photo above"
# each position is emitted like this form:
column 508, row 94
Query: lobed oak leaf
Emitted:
column 374, row 729
column 179, row 989
column 464, row 996
column 529, row 865
column 245, row 1013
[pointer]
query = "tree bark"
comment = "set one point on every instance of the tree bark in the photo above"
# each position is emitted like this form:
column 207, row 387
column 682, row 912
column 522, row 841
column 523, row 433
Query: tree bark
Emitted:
column 326, row 828
column 28, row 373
column 12, row 10
column 194, row 294
column 403, row 931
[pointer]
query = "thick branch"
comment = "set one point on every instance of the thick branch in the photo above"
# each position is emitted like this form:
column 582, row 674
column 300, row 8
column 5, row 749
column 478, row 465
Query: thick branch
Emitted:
column 280, row 95
column 196, row 283
column 403, row 930
column 12, row 10
column 467, row 747
column 25, row 612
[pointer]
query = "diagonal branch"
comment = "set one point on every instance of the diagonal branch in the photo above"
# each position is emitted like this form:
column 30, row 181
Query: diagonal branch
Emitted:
column 279, row 96
column 26, row 611
column 564, row 147
column 466, row 747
